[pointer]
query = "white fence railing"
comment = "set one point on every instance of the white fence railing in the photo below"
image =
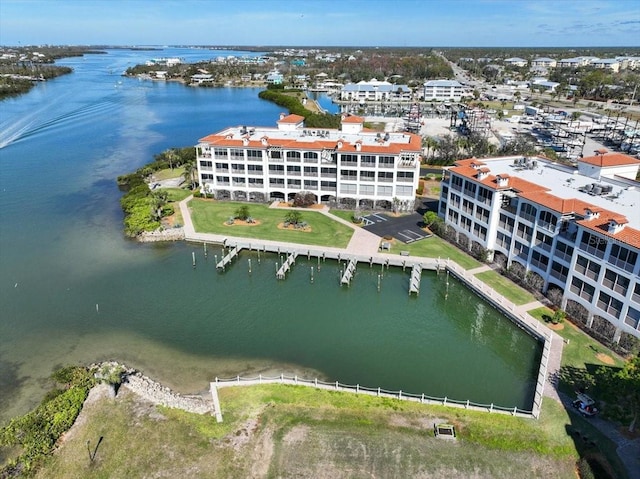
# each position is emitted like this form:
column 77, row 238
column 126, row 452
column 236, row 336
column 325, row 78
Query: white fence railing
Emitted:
column 378, row 392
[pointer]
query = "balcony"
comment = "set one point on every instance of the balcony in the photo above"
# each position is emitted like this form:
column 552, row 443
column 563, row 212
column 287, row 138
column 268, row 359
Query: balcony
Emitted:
column 348, row 163
column 348, row 178
column 559, row 275
column 237, row 171
column 402, row 179
column 598, row 253
column 294, row 173
column 222, row 170
column 621, row 264
column 609, row 309
column 618, row 288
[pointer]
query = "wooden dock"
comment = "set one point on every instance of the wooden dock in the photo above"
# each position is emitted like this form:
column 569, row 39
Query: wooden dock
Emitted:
column 414, row 282
column 286, row 266
column 349, row 271
column 222, row 264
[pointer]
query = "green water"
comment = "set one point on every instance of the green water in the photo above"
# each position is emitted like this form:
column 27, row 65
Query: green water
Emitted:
column 73, row 290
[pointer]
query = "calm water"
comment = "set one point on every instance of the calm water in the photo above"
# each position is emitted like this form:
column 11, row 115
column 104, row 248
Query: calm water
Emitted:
column 74, row 290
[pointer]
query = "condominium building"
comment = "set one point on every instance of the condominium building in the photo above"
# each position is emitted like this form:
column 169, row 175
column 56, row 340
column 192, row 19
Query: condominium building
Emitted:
column 351, row 165
column 578, row 229
column 374, row 90
column 443, row 90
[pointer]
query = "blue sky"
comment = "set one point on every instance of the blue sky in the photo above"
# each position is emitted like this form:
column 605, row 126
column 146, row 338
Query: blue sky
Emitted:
column 420, row 23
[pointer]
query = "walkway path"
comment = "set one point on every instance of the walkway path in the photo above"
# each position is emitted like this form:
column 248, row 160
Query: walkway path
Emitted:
column 365, row 243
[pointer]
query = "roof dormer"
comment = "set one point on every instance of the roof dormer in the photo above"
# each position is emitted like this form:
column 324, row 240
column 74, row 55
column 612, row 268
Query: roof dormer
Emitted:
column 591, row 213
column 358, row 145
column 264, row 140
column 483, row 173
column 502, row 180
column 617, row 224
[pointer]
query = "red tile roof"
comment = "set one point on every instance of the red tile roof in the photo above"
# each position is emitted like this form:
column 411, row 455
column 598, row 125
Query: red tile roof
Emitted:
column 627, row 235
column 291, row 119
column 610, row 159
column 352, row 119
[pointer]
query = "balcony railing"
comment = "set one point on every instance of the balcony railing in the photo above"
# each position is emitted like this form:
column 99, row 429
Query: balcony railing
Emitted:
column 607, row 308
column 618, row 288
column 598, row 253
column 559, row 275
column 582, row 293
column 622, row 264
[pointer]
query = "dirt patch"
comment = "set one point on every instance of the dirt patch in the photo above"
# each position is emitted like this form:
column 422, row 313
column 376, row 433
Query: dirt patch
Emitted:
column 605, row 358
column 242, row 223
column 296, row 434
column 306, row 229
column 317, row 206
column 555, row 327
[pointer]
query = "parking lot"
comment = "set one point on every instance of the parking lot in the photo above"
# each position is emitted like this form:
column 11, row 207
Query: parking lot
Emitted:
column 407, row 229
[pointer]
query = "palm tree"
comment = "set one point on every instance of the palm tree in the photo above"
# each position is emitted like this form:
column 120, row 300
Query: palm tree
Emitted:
column 190, row 173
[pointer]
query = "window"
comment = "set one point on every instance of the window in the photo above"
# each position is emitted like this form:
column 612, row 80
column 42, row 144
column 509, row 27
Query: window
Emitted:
column 480, row 231
column 237, row 167
column 593, row 244
column 328, row 172
column 293, row 170
column 259, row 182
column 350, row 160
column 207, row 176
column 456, row 182
column 539, row 260
column 276, row 169
column 310, row 184
column 609, row 304
column 543, row 241
column 385, row 190
column 311, row 171
column 528, row 212
column 237, row 181
column 467, row 206
column 503, row 240
column 254, row 154
column 559, row 271
column 563, row 251
column 294, row 183
column 368, row 161
column 485, row 196
column 588, row 268
column 635, row 296
column 351, row 175
column 206, row 165
column 386, row 161
column 310, row 157
column 276, row 182
column 623, row 257
column 220, row 153
column 453, row 217
column 275, row 154
column 404, row 190
column 236, row 154
column 254, row 169
column 348, row 188
column 222, row 167
column 506, row 222
column 455, row 200
column 547, row 220
column 470, row 188
column 582, row 289
column 293, row 156
column 406, row 176
column 524, row 231
column 521, row 251
column 615, row 282
column 367, row 176
column 385, row 176
column 328, row 185
column 633, row 318
column 482, row 214
column 222, row 180
column 465, row 222
column 367, row 190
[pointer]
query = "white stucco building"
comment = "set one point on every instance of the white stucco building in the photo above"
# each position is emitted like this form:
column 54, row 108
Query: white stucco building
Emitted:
column 350, row 165
column 578, row 229
column 443, row 90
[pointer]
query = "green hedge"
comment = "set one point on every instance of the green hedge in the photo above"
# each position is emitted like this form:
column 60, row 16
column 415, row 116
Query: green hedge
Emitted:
column 311, row 120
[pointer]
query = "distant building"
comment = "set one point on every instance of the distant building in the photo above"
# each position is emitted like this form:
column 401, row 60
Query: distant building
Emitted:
column 274, row 78
column 607, row 64
column 516, row 62
column 374, row 90
column 443, row 90
column 544, row 62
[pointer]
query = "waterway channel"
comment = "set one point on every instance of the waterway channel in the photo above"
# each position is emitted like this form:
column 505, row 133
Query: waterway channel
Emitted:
column 73, row 290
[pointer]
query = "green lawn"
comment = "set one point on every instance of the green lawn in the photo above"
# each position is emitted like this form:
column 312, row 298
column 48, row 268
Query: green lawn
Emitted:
column 435, row 247
column 168, row 173
column 581, row 349
column 506, row 287
column 288, row 431
column 346, row 215
column 210, row 217
column 177, row 194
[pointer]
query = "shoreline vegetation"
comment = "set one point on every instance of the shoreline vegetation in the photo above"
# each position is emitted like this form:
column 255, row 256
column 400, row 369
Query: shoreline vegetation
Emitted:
column 268, row 428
